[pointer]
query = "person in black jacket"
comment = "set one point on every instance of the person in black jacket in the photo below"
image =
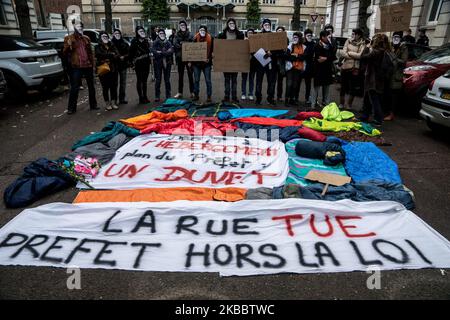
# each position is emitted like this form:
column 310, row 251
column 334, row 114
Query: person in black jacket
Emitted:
column 280, row 67
column 231, row 33
column 183, row 35
column 124, row 50
column 140, row 59
column 408, row 38
column 249, row 75
column 269, row 70
column 323, row 68
column 309, row 64
column 423, row 39
column 106, row 53
column 162, row 51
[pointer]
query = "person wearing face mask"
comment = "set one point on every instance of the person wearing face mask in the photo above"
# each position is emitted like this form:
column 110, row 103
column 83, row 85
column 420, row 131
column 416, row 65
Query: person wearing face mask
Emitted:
column 351, row 74
column 309, row 64
column 140, row 58
column 269, row 70
column 249, row 75
column 395, row 87
column 106, row 52
column 183, row 35
column 280, row 67
column 295, row 55
column 330, row 29
column 78, row 52
column 124, row 50
column 323, row 69
column 162, row 51
column 203, row 66
column 231, row 33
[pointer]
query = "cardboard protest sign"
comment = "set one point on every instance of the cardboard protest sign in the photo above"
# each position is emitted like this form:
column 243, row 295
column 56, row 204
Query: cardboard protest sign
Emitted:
column 231, row 56
column 241, row 238
column 268, row 41
column 194, row 51
column 327, row 179
column 185, row 161
column 396, row 17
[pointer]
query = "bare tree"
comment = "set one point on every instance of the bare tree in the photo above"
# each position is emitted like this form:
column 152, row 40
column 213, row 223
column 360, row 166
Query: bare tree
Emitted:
column 296, row 15
column 108, row 16
column 23, row 14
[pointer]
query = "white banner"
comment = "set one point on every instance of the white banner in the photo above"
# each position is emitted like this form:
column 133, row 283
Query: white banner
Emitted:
column 242, row 238
column 184, row 161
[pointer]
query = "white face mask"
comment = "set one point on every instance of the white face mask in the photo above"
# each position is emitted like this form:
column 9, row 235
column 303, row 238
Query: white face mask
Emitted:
column 295, row 40
column 353, row 37
column 141, row 33
column 308, row 37
column 267, row 27
column 329, row 38
column 79, row 28
column 183, row 28
column 105, row 40
column 232, row 26
column 396, row 40
column 117, row 36
column 162, row 36
column 202, row 34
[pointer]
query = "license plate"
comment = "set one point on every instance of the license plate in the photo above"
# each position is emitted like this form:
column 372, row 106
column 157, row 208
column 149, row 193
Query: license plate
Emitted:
column 445, row 95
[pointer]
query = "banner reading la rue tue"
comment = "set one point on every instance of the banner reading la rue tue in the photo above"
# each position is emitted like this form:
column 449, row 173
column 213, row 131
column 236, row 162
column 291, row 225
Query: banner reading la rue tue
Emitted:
column 242, row 238
column 184, row 161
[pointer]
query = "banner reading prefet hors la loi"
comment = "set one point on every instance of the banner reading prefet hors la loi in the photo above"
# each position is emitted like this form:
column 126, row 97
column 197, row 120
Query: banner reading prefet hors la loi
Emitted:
column 185, row 161
column 242, row 238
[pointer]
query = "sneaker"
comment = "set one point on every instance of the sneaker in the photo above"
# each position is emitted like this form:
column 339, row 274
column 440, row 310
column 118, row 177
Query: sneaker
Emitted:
column 258, row 101
column 114, row 106
column 243, row 97
column 208, row 100
column 271, row 101
column 192, row 95
column 390, row 117
column 71, row 111
column 376, row 123
column 235, row 100
column 123, row 102
column 195, row 98
column 251, row 98
column 108, row 107
column 178, row 96
column 144, row 100
column 94, row 108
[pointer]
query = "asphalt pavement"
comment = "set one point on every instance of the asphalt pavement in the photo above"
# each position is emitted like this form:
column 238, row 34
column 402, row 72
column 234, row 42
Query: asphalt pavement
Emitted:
column 39, row 127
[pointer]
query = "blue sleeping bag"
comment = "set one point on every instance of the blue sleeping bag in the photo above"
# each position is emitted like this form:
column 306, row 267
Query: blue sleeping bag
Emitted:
column 366, row 162
column 244, row 113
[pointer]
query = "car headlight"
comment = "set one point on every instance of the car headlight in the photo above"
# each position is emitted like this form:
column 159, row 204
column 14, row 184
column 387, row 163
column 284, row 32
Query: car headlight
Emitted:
column 420, row 68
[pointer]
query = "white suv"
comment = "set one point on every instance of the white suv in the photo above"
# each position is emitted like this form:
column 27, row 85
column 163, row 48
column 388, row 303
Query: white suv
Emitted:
column 27, row 64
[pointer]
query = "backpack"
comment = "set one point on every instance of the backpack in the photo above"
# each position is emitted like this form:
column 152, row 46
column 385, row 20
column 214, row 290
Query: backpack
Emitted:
column 388, row 65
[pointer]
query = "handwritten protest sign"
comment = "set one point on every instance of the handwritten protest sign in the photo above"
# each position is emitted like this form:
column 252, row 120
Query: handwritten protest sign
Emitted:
column 194, row 51
column 242, row 238
column 231, row 56
column 396, row 17
column 203, row 161
column 268, row 41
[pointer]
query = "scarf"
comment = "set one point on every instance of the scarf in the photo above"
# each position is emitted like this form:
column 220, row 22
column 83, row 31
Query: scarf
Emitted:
column 206, row 39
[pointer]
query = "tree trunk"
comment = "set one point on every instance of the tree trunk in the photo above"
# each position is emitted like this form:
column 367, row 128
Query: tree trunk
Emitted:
column 23, row 14
column 296, row 15
column 108, row 17
column 363, row 16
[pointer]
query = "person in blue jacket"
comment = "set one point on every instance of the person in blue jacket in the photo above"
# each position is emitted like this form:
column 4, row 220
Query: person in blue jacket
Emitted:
column 163, row 58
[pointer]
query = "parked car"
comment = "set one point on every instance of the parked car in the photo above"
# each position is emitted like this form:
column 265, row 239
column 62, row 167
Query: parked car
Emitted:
column 3, row 86
column 420, row 73
column 93, row 34
column 27, row 64
column 436, row 104
column 415, row 51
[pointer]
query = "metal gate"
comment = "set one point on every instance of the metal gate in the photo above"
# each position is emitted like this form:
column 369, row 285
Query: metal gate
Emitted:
column 215, row 26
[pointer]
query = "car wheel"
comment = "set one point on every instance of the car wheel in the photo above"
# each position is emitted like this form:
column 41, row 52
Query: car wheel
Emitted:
column 16, row 89
column 48, row 88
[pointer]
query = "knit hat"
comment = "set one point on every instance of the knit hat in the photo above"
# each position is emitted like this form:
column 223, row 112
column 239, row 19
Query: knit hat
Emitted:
column 280, row 27
column 398, row 34
column 308, row 31
column 182, row 22
column 203, row 26
column 266, row 20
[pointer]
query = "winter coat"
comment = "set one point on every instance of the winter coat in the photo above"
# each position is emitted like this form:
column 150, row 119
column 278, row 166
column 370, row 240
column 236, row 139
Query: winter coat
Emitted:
column 124, row 51
column 197, row 38
column 309, row 58
column 140, row 53
column 401, row 57
column 374, row 77
column 162, row 49
column 181, row 37
column 107, row 54
column 323, row 71
column 239, row 35
column 71, row 43
column 357, row 47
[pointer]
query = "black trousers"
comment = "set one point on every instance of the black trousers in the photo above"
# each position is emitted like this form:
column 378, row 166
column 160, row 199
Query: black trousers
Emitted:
column 230, row 85
column 271, row 75
column 109, row 86
column 142, row 73
column 293, row 81
column 161, row 71
column 75, row 82
column 122, row 84
column 181, row 66
column 308, row 80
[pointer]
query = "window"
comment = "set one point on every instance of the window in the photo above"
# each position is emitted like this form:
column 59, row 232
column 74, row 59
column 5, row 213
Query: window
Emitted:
column 173, row 1
column 138, row 22
column 435, row 9
column 437, row 56
column 269, row 1
column 237, row 1
column 116, row 23
column 3, row 20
